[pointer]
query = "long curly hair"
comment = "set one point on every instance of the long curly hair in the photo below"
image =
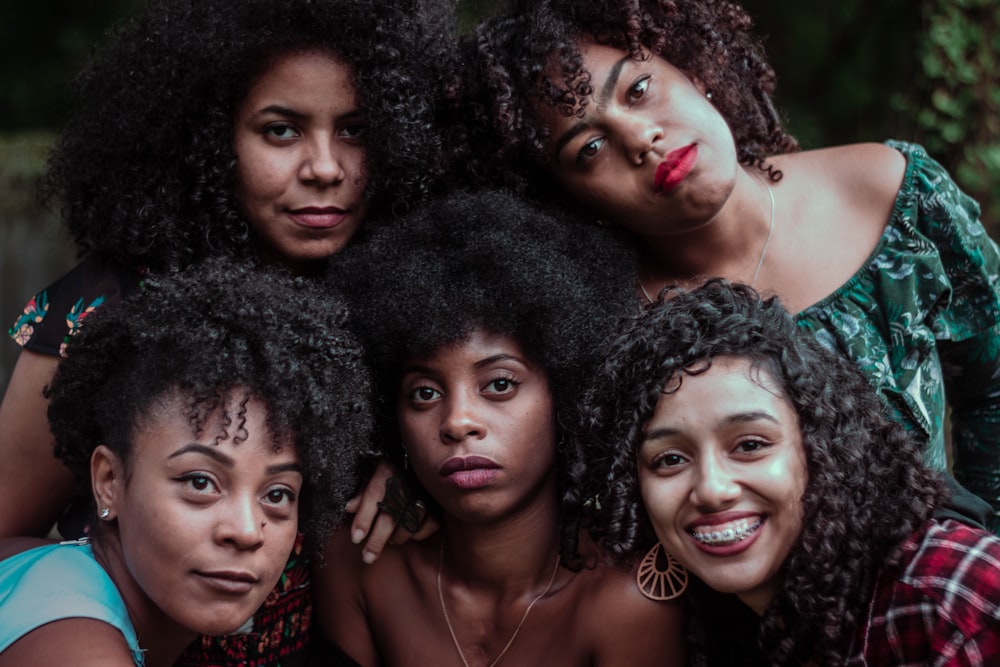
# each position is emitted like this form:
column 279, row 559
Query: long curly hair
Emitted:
column 201, row 335
column 867, row 488
column 144, row 170
column 511, row 57
column 492, row 261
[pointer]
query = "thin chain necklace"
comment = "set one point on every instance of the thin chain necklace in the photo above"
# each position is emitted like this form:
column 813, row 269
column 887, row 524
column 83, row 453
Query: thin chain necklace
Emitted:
column 763, row 250
column 510, row 641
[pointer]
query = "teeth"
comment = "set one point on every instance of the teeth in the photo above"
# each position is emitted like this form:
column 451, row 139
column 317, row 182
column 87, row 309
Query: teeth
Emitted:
column 732, row 533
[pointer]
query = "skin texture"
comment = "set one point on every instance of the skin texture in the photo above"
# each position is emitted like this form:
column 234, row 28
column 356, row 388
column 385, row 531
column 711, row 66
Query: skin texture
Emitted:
column 299, row 138
column 483, row 397
column 725, row 451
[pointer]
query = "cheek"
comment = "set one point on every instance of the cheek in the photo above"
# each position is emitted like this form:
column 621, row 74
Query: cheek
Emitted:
column 660, row 501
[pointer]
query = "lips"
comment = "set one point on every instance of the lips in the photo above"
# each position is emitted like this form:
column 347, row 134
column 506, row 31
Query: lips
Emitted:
column 469, row 472
column 229, row 581
column 675, row 168
column 318, row 217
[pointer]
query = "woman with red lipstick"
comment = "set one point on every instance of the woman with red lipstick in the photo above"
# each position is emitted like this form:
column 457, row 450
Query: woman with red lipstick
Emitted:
column 482, row 317
column 722, row 433
column 657, row 116
column 208, row 417
column 235, row 128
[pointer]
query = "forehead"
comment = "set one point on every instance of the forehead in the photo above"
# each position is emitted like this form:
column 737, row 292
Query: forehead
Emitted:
column 479, row 344
column 730, row 385
column 301, row 72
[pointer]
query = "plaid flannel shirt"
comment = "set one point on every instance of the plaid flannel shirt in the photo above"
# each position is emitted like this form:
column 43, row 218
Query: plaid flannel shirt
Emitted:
column 939, row 606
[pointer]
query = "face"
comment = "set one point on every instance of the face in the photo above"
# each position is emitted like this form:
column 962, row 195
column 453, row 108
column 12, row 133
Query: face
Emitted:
column 300, row 140
column 477, row 423
column 722, row 472
column 224, row 516
column 651, row 153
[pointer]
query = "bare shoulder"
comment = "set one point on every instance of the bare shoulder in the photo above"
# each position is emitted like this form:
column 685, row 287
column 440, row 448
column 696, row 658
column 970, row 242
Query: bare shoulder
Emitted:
column 869, row 172
column 82, row 642
column 641, row 631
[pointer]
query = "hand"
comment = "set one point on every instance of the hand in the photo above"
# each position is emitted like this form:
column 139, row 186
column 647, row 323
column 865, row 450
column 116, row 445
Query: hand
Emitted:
column 382, row 518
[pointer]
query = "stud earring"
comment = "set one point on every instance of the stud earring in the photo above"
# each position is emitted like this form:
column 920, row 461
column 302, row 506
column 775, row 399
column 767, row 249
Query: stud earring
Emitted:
column 660, row 576
column 709, row 95
column 105, row 513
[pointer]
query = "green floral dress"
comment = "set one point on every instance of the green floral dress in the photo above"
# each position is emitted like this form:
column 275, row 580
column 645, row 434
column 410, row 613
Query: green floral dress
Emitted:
column 922, row 320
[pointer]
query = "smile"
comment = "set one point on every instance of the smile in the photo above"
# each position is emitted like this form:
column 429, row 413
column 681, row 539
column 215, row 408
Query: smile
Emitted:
column 727, row 534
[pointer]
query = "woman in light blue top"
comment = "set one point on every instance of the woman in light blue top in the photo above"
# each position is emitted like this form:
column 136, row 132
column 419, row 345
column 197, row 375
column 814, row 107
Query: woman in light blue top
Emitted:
column 207, row 415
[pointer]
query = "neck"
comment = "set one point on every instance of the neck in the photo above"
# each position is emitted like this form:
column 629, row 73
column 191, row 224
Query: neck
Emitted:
column 162, row 639
column 512, row 555
column 729, row 245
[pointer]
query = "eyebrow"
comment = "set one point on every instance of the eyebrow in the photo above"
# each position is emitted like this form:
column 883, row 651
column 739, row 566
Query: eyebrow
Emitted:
column 216, row 455
column 279, row 110
column 606, row 91
column 737, row 418
column 498, row 357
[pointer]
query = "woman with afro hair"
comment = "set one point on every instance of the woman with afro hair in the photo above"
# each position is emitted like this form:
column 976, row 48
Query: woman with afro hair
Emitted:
column 206, row 418
column 727, row 439
column 482, row 317
column 264, row 132
column 657, row 116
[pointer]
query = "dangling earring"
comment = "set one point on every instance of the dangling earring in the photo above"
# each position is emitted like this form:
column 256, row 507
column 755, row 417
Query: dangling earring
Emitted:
column 406, row 460
column 660, row 576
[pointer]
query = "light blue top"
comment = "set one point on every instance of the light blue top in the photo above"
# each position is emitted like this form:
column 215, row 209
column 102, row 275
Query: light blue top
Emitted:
column 56, row 582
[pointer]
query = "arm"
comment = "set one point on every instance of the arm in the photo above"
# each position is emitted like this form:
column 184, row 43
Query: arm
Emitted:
column 340, row 610
column 36, row 485
column 82, row 642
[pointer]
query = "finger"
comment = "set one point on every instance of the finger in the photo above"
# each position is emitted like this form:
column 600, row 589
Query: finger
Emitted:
column 366, row 508
column 353, row 504
column 381, row 530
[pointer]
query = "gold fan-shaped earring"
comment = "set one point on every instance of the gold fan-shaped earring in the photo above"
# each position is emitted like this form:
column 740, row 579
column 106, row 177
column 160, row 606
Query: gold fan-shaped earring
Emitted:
column 661, row 576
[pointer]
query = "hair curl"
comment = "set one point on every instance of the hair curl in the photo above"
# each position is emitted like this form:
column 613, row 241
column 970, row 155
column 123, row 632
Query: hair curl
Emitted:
column 510, row 58
column 144, row 170
column 218, row 328
column 488, row 260
column 867, row 490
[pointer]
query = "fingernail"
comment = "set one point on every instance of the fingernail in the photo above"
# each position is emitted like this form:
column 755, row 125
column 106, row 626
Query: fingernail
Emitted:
column 357, row 536
column 368, row 557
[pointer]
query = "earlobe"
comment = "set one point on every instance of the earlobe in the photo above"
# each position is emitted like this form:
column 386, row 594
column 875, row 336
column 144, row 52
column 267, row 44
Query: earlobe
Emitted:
column 106, row 479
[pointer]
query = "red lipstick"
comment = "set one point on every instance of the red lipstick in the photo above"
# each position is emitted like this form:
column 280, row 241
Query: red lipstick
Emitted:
column 675, row 168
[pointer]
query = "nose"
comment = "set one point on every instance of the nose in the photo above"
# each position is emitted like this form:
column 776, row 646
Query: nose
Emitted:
column 242, row 523
column 460, row 419
column 715, row 487
column 639, row 134
column 320, row 164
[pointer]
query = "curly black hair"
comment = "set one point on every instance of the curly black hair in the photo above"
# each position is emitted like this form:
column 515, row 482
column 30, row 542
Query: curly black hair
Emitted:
column 492, row 261
column 509, row 59
column 216, row 328
column 867, row 491
column 144, row 170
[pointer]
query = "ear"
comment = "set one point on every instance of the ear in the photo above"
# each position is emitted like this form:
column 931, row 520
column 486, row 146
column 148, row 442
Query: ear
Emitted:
column 697, row 83
column 107, row 479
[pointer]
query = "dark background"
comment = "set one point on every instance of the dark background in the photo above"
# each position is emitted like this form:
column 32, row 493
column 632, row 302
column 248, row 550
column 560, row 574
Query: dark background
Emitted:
column 848, row 70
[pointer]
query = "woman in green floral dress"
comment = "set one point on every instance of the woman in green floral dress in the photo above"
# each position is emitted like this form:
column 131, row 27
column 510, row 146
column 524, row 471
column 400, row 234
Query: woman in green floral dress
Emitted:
column 658, row 117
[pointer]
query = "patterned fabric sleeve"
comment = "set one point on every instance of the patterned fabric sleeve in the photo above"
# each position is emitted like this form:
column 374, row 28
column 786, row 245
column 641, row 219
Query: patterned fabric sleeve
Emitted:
column 967, row 328
column 53, row 315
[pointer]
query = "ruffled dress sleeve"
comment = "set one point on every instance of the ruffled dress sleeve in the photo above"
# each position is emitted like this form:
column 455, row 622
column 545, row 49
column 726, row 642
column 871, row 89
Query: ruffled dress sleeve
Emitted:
column 921, row 319
column 53, row 315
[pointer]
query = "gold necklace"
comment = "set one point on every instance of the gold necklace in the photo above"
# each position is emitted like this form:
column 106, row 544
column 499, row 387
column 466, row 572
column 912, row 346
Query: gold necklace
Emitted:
column 524, row 617
column 763, row 250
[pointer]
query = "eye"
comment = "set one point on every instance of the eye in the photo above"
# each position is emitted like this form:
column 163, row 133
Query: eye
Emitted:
column 198, row 482
column 354, row 131
column 280, row 496
column 638, row 89
column 424, row 394
column 280, row 131
column 752, row 446
column 589, row 150
column 668, row 460
column 501, row 386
